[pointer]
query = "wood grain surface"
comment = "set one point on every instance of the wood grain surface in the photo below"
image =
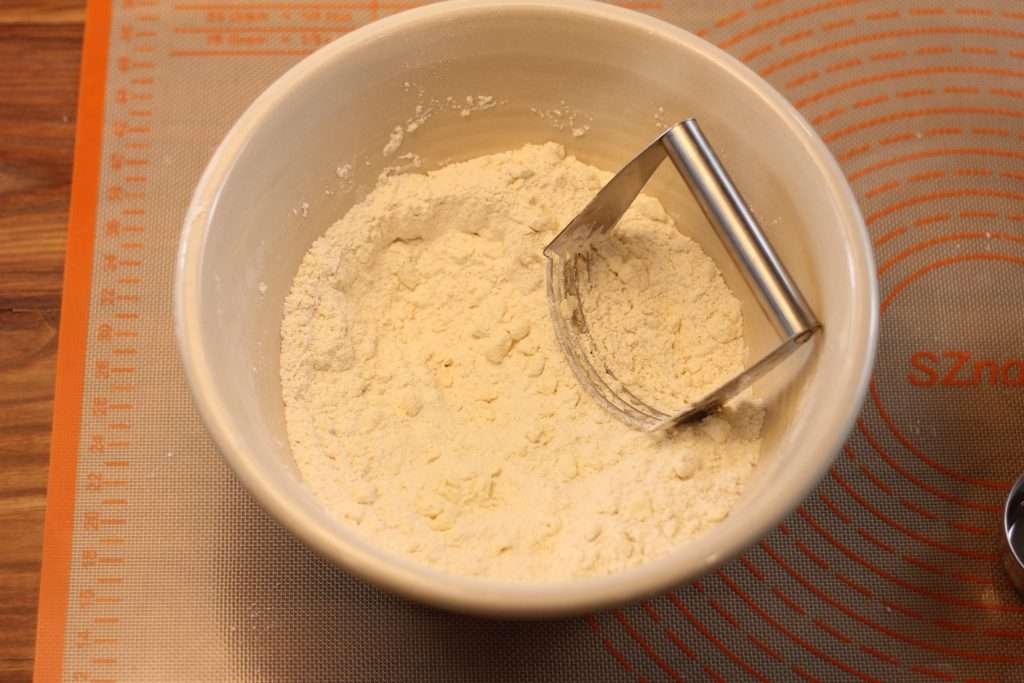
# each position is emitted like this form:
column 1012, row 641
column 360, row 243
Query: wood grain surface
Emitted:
column 40, row 42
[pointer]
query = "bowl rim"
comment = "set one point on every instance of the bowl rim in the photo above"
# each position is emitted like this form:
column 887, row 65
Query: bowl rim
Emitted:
column 490, row 597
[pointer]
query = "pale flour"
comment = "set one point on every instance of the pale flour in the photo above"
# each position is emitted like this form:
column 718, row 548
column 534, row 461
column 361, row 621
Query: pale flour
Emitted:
column 428, row 404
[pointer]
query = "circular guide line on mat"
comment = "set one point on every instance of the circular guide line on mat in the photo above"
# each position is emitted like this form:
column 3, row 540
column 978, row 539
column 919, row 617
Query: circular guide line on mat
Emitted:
column 876, row 61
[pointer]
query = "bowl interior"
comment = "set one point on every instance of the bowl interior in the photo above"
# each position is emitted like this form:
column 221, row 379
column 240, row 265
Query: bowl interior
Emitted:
column 550, row 68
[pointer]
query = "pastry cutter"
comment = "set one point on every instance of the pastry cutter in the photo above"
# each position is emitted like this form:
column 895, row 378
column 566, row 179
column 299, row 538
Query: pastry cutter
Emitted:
column 1013, row 530
column 568, row 258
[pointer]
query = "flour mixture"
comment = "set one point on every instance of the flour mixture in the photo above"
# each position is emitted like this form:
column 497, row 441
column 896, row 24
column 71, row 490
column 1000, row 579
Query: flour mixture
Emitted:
column 428, row 403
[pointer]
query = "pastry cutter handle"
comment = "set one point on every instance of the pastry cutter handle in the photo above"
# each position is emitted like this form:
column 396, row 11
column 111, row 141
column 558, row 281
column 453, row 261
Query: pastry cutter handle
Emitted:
column 736, row 225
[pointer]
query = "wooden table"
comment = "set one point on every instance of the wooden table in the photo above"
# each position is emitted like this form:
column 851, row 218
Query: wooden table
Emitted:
column 40, row 42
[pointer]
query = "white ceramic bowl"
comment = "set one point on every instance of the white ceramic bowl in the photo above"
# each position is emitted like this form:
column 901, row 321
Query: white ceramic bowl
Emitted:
column 614, row 69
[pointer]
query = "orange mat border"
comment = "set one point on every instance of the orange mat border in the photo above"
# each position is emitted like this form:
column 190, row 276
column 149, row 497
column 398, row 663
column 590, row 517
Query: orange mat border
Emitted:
column 74, row 322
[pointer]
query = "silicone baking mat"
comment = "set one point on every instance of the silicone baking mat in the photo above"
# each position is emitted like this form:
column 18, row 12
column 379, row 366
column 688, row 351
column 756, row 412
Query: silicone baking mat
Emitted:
column 158, row 566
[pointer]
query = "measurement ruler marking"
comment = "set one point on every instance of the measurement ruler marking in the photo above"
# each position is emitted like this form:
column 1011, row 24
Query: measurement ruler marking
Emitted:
column 126, row 64
column 262, row 29
column 241, row 53
column 87, row 639
column 116, row 463
column 297, row 6
column 132, row 74
column 103, row 642
column 117, row 161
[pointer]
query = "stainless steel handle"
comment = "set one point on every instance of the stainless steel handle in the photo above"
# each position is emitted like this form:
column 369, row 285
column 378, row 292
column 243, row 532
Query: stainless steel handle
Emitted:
column 1013, row 528
column 735, row 224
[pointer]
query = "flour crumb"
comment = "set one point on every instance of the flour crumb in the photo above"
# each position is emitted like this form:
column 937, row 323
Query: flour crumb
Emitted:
column 411, row 159
column 565, row 118
column 262, row 288
column 429, row 406
column 394, row 141
column 659, row 118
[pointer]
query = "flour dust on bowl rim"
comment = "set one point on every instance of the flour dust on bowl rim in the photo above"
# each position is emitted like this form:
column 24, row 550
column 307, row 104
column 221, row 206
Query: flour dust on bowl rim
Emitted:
column 244, row 238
